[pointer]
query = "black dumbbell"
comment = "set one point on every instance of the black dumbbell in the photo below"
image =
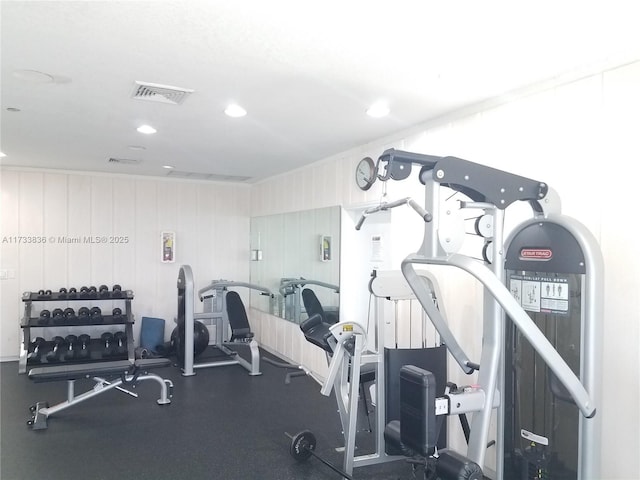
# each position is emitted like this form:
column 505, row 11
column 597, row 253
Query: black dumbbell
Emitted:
column 62, row 293
column 70, row 315
column 103, row 290
column 117, row 313
column 116, row 291
column 45, row 316
column 36, row 349
column 73, row 292
column 70, row 350
column 84, row 315
column 95, row 315
column 107, row 341
column 84, row 292
column 83, row 348
column 54, row 354
column 120, row 339
column 58, row 316
column 93, row 292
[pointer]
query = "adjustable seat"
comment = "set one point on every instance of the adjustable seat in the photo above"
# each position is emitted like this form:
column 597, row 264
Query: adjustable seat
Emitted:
column 238, row 321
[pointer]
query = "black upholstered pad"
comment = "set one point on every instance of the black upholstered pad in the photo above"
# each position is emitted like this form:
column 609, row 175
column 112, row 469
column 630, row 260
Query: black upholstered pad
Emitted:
column 86, row 370
column 237, row 314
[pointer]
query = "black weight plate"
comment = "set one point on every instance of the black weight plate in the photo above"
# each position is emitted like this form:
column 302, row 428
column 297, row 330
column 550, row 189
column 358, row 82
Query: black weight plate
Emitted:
column 302, row 444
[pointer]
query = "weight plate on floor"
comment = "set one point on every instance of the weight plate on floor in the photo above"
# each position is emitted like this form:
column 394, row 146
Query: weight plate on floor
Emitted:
column 302, row 444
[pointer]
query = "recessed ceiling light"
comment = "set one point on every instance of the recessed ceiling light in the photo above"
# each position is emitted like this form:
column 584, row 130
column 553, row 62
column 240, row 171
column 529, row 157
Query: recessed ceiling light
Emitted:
column 34, row 76
column 148, row 129
column 235, row 111
column 378, row 110
column 137, row 147
column 168, row 167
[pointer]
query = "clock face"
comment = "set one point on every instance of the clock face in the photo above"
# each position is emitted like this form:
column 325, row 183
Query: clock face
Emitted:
column 365, row 173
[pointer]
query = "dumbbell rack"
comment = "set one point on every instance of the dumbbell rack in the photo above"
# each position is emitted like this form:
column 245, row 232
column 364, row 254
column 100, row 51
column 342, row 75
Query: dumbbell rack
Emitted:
column 31, row 320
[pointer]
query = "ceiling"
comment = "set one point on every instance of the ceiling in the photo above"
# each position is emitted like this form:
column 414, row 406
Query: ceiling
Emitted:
column 306, row 72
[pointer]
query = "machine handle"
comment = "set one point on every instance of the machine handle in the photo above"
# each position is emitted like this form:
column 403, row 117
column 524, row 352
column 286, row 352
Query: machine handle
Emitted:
column 426, row 216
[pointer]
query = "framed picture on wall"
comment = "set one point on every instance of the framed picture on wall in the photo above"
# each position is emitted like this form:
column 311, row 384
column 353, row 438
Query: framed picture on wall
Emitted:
column 168, row 254
column 325, row 248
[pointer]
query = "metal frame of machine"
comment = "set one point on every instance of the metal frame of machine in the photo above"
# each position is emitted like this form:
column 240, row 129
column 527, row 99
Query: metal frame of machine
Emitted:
column 491, row 191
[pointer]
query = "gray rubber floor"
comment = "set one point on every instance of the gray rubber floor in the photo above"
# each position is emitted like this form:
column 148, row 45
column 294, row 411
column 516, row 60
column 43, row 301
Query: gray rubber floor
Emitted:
column 221, row 424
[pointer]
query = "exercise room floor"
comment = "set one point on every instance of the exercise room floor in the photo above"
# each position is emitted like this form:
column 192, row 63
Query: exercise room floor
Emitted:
column 222, row 424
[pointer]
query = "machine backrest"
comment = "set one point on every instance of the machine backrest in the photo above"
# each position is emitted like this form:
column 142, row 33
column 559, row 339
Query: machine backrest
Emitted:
column 238, row 321
column 312, row 304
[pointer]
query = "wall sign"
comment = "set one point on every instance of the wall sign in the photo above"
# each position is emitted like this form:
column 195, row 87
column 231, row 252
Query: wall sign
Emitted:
column 168, row 247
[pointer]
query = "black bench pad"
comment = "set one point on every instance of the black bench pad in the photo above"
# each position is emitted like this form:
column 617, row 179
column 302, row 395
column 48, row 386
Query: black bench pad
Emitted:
column 86, row 370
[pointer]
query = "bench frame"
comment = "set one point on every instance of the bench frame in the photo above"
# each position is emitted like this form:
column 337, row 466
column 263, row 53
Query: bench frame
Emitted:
column 129, row 374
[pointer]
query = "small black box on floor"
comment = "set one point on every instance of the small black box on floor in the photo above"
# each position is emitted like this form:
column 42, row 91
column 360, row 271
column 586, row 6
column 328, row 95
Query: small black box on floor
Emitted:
column 417, row 409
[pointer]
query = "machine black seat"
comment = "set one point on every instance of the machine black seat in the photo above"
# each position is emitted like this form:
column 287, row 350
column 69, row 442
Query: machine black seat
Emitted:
column 317, row 331
column 453, row 466
column 87, row 370
column 238, row 321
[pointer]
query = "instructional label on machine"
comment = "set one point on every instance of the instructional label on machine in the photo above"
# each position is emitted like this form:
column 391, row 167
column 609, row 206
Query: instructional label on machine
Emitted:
column 541, row 294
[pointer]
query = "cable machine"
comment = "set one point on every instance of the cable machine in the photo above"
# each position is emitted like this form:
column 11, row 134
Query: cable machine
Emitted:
column 357, row 356
column 504, row 376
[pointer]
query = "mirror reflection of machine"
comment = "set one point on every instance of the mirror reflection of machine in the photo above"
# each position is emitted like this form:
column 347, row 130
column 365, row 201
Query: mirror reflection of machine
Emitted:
column 290, row 246
column 225, row 320
column 301, row 302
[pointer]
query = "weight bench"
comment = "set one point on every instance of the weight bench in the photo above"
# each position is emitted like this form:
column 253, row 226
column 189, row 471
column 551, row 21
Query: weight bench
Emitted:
column 129, row 373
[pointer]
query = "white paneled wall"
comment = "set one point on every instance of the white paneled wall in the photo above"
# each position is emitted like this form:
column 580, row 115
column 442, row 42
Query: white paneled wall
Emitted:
column 211, row 222
column 581, row 138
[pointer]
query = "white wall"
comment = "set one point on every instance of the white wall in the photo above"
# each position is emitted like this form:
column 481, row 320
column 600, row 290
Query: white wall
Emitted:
column 580, row 138
column 211, row 222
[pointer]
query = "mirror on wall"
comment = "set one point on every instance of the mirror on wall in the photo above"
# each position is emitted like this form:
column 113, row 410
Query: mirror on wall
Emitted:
column 297, row 255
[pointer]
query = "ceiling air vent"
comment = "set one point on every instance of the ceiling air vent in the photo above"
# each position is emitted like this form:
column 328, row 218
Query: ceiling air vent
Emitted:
column 152, row 92
column 123, row 161
column 207, row 176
